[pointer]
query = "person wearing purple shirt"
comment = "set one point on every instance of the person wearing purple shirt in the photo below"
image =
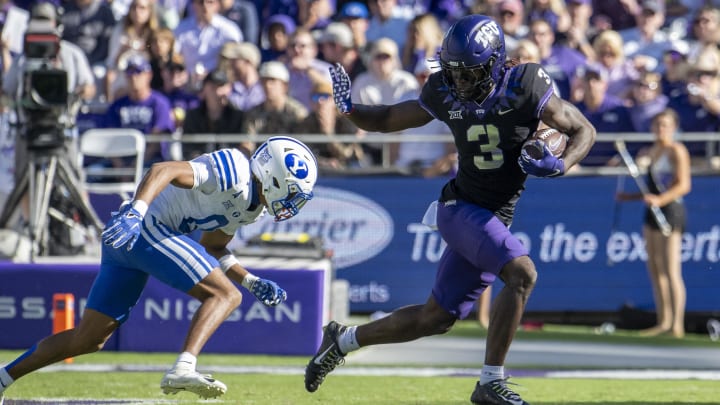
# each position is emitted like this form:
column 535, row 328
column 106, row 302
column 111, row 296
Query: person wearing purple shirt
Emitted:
column 560, row 62
column 606, row 112
column 647, row 101
column 142, row 108
column 243, row 60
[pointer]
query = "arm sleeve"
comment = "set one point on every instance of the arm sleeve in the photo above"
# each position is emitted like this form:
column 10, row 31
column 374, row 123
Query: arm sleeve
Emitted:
column 204, row 174
column 535, row 89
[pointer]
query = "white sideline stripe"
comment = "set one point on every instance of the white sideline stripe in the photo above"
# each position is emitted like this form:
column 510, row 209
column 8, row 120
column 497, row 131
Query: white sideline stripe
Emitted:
column 713, row 375
column 639, row 374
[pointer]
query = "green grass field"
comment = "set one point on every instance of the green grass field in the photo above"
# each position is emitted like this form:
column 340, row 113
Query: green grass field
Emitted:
column 288, row 389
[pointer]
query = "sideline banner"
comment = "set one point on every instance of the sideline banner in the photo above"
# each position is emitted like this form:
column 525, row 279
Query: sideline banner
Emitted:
column 373, row 226
column 162, row 316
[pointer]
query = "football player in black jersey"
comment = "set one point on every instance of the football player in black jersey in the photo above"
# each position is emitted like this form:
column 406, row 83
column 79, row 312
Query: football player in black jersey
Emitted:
column 492, row 107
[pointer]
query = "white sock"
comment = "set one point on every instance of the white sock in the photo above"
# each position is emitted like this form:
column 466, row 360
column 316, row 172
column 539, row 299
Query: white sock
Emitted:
column 347, row 341
column 5, row 379
column 185, row 362
column 491, row 373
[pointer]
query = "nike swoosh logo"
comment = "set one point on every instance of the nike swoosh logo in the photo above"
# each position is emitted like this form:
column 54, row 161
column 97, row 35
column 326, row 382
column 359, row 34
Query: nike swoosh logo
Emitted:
column 503, row 112
column 322, row 355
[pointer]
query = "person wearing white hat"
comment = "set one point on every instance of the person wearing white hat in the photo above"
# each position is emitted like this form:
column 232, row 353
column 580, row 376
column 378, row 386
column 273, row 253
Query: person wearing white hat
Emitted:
column 279, row 113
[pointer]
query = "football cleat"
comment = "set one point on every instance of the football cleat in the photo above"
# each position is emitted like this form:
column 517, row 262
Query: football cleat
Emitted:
column 203, row 385
column 495, row 392
column 328, row 357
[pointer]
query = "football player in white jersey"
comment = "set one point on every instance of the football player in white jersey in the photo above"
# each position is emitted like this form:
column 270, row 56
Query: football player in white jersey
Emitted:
column 217, row 193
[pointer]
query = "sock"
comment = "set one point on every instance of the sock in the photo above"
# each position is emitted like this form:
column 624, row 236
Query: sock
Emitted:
column 347, row 341
column 185, row 362
column 491, row 373
column 5, row 379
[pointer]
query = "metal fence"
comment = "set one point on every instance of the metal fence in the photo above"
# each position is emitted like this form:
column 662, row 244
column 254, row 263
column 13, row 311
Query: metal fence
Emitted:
column 706, row 161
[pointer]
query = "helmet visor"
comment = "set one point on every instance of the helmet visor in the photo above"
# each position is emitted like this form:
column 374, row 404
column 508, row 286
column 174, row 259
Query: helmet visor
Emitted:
column 289, row 206
column 468, row 83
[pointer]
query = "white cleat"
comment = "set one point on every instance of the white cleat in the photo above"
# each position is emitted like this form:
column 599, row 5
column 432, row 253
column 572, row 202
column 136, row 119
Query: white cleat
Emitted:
column 203, row 385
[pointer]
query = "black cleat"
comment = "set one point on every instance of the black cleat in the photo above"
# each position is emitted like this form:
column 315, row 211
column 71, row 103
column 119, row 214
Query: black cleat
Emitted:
column 495, row 392
column 328, row 357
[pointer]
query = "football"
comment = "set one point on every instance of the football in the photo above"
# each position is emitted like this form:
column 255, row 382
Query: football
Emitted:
column 554, row 139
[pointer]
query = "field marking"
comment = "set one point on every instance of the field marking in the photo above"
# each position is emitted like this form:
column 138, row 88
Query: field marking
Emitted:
column 625, row 374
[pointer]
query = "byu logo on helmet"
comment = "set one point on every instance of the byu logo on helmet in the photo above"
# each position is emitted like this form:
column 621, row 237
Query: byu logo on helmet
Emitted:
column 296, row 165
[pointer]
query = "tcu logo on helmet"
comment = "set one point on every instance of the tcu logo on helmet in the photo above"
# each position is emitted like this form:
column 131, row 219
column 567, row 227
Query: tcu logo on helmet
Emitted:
column 297, row 166
column 487, row 33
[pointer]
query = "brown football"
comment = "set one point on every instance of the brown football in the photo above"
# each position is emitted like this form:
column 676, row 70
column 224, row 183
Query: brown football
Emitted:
column 555, row 140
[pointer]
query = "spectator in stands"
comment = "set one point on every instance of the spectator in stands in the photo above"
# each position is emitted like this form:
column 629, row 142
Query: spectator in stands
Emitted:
column 705, row 31
column 554, row 12
column 580, row 35
column 384, row 24
column 337, row 46
column 241, row 60
column 699, row 104
column 200, row 37
column 5, row 53
column 510, row 14
column 162, row 45
column 142, row 108
column 301, row 59
column 669, row 181
column 619, row 14
column 132, row 34
column 215, row 115
column 316, row 14
column 279, row 113
column 525, row 52
column 605, row 111
column 560, row 62
column 427, row 159
column 674, row 72
column 323, row 118
column 608, row 46
column 646, row 43
column 244, row 14
column 647, row 100
column 424, row 39
column 356, row 16
column 385, row 82
column 89, row 24
column 175, row 82
column 276, row 37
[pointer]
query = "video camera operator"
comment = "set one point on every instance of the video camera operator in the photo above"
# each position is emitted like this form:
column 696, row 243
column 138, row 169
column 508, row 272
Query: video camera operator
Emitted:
column 45, row 51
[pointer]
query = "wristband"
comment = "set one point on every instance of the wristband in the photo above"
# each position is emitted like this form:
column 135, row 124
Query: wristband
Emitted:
column 249, row 280
column 227, row 261
column 140, row 206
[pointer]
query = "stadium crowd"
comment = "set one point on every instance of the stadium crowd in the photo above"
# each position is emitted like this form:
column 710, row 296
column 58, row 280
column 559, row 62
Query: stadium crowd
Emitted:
column 261, row 67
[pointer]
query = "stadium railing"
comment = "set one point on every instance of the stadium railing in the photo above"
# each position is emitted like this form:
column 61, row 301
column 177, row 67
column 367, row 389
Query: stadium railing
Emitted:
column 703, row 146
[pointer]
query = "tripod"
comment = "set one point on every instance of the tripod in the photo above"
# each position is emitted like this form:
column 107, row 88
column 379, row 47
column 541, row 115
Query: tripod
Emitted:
column 46, row 171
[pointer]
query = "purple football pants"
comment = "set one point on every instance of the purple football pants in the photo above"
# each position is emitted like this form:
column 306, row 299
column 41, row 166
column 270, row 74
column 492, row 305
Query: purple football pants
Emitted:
column 479, row 245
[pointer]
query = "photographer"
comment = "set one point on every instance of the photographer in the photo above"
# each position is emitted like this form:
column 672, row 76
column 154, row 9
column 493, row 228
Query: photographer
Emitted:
column 46, row 52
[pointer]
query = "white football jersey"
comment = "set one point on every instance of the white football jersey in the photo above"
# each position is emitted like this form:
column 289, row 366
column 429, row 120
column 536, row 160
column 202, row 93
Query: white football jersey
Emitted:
column 221, row 198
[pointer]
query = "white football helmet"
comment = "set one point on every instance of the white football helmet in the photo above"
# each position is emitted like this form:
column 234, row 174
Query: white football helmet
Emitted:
column 287, row 171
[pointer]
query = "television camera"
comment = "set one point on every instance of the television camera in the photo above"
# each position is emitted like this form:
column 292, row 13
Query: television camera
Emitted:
column 61, row 221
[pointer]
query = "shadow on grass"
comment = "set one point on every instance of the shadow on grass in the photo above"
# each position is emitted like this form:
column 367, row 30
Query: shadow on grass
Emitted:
column 604, row 402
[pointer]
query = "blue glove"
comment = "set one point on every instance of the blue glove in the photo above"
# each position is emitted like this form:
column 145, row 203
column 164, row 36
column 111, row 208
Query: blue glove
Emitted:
column 341, row 88
column 123, row 228
column 547, row 166
column 268, row 292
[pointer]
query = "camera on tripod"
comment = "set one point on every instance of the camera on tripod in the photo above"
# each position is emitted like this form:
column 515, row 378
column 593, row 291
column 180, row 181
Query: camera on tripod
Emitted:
column 45, row 99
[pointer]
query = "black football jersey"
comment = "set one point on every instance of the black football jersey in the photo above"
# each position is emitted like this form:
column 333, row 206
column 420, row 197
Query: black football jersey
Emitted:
column 489, row 135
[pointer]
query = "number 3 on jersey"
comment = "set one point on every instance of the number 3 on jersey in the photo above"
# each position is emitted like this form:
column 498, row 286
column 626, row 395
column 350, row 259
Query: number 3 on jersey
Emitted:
column 490, row 156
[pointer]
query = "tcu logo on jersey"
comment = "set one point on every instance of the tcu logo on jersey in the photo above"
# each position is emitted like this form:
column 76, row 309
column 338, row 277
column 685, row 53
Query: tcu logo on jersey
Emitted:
column 487, row 33
column 296, row 166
